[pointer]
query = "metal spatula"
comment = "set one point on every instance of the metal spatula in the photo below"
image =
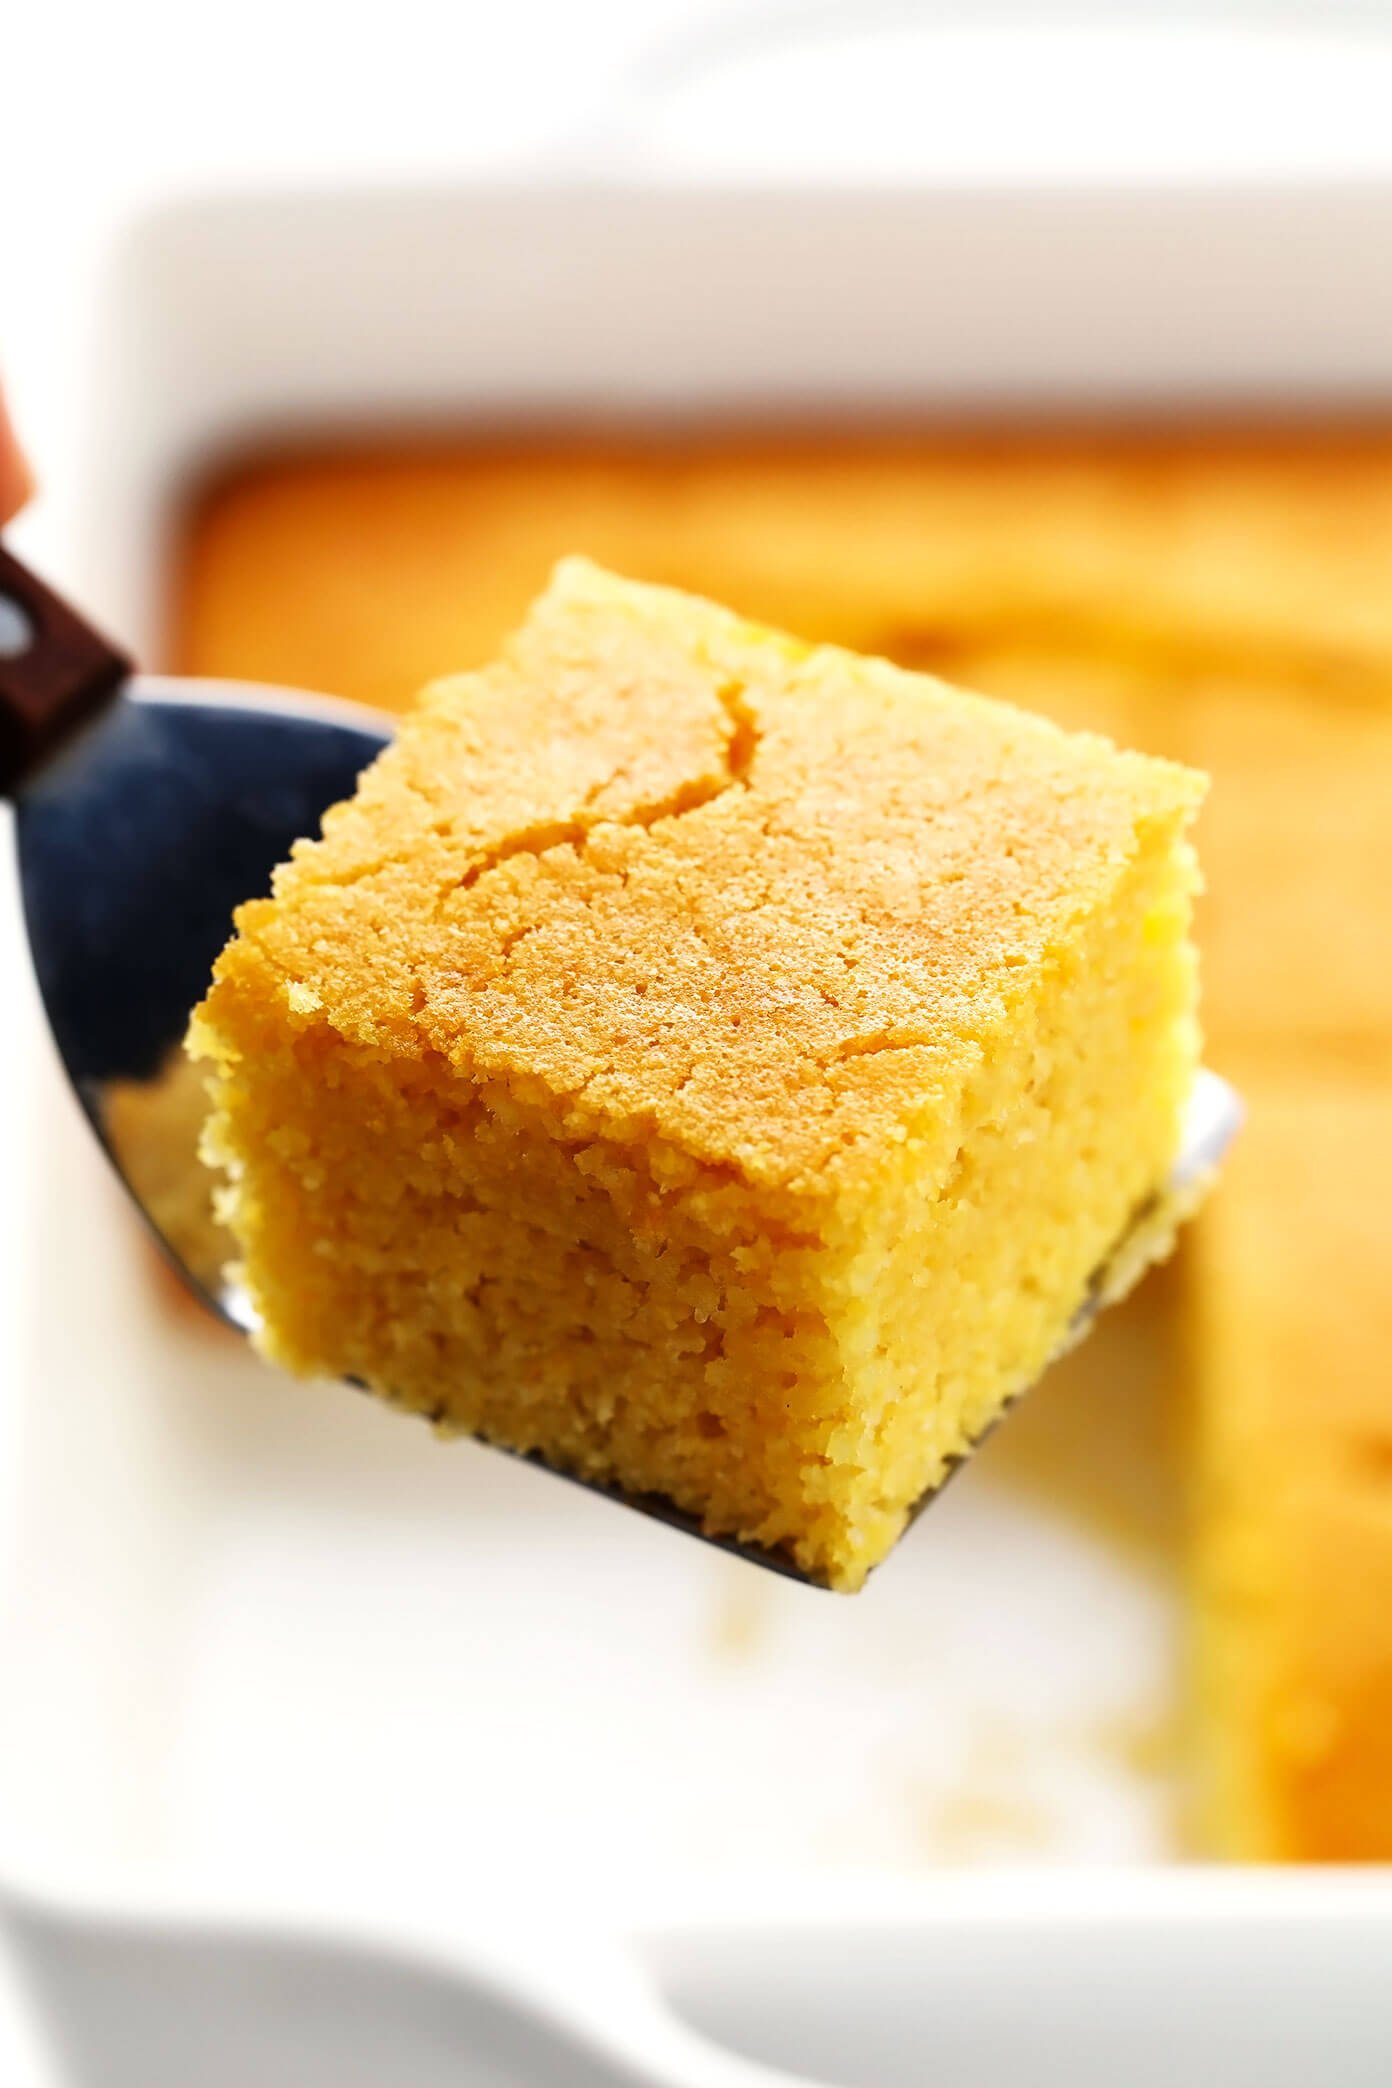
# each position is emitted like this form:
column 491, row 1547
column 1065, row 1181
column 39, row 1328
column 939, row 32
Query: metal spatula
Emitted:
column 145, row 811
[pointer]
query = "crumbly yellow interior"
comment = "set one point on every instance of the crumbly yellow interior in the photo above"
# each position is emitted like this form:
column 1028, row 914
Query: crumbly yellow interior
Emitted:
column 715, row 1063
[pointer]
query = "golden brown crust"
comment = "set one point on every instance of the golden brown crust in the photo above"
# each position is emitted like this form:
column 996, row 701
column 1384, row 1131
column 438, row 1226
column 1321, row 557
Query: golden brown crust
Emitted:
column 762, row 899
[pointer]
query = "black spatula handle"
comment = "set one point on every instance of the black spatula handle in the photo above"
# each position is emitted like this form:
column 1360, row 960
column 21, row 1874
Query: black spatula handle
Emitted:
column 55, row 672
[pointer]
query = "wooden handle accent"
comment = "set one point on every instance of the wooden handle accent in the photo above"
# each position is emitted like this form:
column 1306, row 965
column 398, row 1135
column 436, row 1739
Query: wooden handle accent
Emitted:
column 55, row 672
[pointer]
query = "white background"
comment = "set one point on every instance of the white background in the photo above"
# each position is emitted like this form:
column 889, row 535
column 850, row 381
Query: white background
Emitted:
column 103, row 106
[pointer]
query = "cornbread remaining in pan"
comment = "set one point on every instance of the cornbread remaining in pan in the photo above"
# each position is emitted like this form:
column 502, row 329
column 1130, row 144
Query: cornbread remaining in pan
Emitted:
column 1206, row 550
column 1213, row 592
column 717, row 1064
column 1294, row 1464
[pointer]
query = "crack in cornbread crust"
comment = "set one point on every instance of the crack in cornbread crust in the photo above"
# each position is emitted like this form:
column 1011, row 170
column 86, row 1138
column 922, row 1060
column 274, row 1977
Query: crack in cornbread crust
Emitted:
column 766, row 977
column 634, row 1025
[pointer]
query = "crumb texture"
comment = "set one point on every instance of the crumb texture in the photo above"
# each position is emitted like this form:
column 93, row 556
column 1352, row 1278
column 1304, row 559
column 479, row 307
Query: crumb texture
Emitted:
column 715, row 1062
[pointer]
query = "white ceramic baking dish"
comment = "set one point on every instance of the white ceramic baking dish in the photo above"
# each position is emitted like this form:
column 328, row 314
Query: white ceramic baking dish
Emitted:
column 266, row 1647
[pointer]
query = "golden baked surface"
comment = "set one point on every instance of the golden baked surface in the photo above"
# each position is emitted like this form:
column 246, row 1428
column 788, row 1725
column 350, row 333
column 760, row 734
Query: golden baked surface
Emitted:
column 796, row 1036
column 1209, row 550
column 765, row 900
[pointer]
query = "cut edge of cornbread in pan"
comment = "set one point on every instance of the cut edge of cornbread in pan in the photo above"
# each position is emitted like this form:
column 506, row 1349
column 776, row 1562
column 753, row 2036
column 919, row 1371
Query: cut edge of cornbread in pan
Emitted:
column 1292, row 1551
column 716, row 1064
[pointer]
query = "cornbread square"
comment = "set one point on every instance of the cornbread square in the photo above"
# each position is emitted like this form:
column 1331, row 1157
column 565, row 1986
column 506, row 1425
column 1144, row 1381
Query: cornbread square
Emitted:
column 1293, row 1462
column 714, row 1063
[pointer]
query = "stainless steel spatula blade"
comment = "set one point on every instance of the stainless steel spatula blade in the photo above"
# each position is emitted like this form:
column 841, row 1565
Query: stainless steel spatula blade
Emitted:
column 145, row 811
column 139, row 838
